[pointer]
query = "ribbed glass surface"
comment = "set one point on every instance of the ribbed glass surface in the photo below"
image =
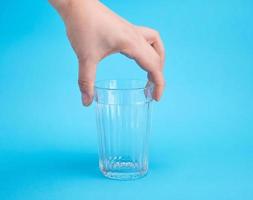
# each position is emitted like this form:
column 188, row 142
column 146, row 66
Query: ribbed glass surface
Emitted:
column 123, row 121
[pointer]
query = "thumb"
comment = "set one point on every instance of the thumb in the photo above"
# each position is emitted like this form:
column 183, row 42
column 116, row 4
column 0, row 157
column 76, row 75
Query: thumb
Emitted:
column 86, row 78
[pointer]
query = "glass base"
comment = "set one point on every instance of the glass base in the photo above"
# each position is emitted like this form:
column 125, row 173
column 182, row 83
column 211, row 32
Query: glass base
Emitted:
column 123, row 170
column 123, row 176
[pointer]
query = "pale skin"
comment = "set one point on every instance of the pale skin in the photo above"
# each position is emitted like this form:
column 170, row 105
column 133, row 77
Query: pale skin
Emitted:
column 96, row 32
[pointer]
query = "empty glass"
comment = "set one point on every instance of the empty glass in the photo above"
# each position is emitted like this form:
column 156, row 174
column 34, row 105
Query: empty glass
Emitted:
column 123, row 122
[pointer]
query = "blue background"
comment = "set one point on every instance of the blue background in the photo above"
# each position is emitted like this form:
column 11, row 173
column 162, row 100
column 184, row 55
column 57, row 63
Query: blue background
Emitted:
column 201, row 144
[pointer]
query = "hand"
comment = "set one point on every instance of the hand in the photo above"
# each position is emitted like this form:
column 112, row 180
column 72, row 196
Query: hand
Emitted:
column 96, row 32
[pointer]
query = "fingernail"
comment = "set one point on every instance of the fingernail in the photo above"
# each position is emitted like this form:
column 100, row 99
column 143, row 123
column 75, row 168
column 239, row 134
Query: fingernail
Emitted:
column 155, row 95
column 157, row 98
column 86, row 99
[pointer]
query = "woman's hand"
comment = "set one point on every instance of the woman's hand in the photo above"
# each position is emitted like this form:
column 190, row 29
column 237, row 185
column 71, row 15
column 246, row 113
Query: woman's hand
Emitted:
column 96, row 32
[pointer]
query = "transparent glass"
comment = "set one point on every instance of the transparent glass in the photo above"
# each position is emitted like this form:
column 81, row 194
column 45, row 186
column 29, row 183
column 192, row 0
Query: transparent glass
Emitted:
column 123, row 121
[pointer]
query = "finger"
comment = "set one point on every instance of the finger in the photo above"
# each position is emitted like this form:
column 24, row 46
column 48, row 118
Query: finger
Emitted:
column 86, row 78
column 157, row 78
column 154, row 39
column 149, row 60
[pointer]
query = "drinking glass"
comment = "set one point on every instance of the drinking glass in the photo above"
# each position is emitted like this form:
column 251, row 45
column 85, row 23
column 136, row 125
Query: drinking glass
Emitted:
column 123, row 121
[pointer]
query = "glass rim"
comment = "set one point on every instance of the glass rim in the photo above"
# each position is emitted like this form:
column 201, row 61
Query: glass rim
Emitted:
column 96, row 86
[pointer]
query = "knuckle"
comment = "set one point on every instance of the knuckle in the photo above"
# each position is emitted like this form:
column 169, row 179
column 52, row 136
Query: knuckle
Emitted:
column 161, row 84
column 158, row 78
column 160, row 81
column 84, row 84
column 130, row 39
column 156, row 33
